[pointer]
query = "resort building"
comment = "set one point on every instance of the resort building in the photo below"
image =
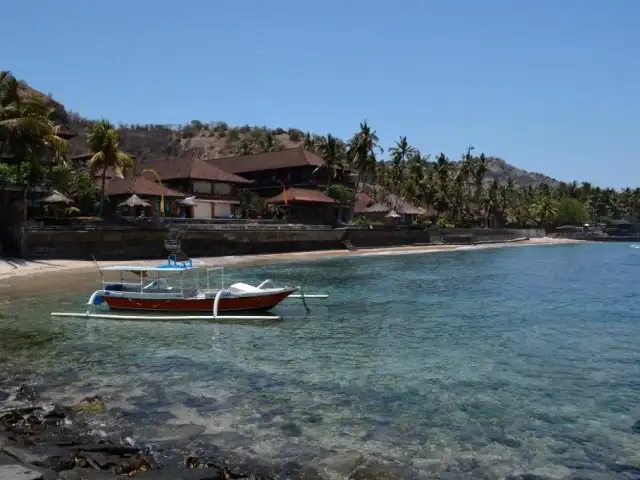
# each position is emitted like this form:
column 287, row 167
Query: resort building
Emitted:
column 290, row 168
column 306, row 206
column 389, row 209
column 119, row 190
column 215, row 190
column 301, row 172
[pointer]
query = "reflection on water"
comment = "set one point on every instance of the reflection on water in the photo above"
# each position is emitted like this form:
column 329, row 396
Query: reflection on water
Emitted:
column 490, row 362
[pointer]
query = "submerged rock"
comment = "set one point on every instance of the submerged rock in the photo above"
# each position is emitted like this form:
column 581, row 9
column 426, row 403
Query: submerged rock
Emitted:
column 26, row 393
column 90, row 405
column 19, row 472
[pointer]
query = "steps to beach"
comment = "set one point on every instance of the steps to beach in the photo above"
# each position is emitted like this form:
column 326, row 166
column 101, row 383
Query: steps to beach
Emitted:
column 349, row 246
column 173, row 245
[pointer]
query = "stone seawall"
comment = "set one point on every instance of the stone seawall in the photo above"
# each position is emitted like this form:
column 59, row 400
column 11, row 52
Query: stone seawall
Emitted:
column 139, row 244
column 385, row 237
column 211, row 243
column 448, row 235
column 376, row 236
column 103, row 244
column 136, row 244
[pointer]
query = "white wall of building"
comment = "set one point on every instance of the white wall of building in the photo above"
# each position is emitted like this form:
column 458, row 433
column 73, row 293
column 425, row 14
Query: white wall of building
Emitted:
column 202, row 210
column 222, row 209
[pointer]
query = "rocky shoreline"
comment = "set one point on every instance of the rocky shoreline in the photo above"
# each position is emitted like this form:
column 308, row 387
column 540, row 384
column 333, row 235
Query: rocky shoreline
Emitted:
column 56, row 442
column 40, row 441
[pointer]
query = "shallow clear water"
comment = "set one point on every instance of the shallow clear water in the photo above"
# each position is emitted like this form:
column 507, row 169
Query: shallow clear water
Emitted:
column 486, row 362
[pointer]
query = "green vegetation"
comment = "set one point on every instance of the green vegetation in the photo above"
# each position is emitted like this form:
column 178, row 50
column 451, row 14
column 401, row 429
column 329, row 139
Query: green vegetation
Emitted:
column 29, row 134
column 473, row 190
column 104, row 141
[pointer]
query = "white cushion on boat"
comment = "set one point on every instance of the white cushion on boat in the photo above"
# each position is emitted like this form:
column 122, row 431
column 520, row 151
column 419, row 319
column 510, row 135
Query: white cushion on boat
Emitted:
column 244, row 287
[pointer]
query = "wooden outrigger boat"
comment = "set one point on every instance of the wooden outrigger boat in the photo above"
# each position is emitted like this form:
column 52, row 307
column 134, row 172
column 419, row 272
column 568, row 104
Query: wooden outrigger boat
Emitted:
column 176, row 287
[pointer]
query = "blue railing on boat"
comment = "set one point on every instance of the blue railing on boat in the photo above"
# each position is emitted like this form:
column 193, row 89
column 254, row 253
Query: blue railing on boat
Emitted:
column 172, row 262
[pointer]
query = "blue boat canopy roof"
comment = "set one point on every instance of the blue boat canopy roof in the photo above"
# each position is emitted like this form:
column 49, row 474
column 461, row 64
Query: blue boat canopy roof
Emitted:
column 172, row 265
column 145, row 268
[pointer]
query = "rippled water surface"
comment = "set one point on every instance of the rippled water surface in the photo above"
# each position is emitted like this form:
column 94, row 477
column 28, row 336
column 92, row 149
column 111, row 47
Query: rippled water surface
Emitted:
column 489, row 363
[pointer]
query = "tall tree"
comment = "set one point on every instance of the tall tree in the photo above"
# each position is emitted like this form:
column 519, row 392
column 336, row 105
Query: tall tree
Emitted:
column 362, row 149
column 398, row 156
column 29, row 133
column 104, row 141
column 333, row 152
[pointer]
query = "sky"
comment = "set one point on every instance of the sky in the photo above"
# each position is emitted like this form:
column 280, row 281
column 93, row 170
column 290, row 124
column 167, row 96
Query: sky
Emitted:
column 551, row 86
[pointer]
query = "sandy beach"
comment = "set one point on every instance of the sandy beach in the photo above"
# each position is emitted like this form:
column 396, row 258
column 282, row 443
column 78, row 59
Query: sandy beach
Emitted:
column 25, row 275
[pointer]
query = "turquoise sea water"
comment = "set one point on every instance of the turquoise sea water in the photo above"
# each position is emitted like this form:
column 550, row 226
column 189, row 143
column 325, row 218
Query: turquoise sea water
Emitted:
column 474, row 364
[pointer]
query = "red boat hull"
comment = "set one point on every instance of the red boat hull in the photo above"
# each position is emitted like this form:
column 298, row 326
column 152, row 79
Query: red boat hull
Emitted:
column 262, row 302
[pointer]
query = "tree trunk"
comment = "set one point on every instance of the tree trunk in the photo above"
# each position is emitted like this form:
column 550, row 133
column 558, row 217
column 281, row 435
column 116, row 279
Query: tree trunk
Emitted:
column 104, row 177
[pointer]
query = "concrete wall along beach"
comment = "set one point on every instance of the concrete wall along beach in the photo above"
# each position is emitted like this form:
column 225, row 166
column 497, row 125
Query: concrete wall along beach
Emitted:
column 124, row 243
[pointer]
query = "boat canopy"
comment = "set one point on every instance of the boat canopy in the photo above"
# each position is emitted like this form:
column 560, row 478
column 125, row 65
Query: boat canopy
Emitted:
column 145, row 268
column 172, row 265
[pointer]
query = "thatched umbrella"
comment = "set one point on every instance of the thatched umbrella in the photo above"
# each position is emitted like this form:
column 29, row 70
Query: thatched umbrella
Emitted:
column 134, row 201
column 57, row 198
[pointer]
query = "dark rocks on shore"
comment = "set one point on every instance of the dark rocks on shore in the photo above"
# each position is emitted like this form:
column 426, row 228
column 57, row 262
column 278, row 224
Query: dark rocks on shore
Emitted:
column 54, row 444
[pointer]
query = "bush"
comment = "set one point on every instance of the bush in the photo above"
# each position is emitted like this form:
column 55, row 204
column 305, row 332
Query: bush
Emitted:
column 344, row 195
column 363, row 220
column 571, row 212
column 295, row 135
column 221, row 127
column 278, row 131
column 72, row 211
column 233, row 134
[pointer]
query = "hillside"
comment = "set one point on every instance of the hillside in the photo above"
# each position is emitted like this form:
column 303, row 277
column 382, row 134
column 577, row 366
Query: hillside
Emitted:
column 214, row 140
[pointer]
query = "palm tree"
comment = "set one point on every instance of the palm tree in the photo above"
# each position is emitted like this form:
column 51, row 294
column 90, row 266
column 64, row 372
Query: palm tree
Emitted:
column 27, row 124
column 466, row 166
column 399, row 154
column 479, row 171
column 546, row 209
column 28, row 130
column 104, row 141
column 362, row 148
column 333, row 152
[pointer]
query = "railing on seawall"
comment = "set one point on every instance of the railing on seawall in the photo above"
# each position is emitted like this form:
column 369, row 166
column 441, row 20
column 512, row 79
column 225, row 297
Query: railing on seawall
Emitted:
column 166, row 224
column 250, row 227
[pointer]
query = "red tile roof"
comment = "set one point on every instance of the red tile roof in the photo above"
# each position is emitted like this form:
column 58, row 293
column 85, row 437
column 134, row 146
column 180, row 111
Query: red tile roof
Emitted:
column 363, row 201
column 140, row 186
column 188, row 166
column 293, row 157
column 301, row 195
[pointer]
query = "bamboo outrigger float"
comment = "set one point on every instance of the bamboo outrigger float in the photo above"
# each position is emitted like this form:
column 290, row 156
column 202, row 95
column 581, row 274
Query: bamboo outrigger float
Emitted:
column 156, row 292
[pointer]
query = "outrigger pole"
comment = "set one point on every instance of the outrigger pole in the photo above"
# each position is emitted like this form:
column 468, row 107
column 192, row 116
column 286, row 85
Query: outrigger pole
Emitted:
column 161, row 317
